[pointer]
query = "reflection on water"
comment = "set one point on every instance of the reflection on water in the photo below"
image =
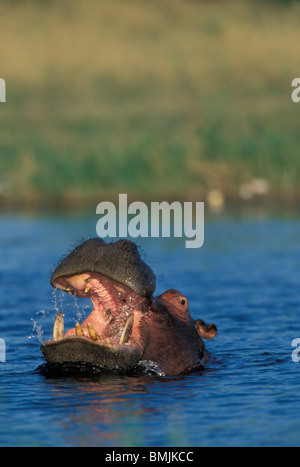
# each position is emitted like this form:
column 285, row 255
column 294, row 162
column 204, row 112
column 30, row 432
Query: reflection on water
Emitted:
column 120, row 410
column 245, row 279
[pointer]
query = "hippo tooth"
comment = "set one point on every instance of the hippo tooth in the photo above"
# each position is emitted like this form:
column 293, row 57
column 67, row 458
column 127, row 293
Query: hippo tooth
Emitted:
column 79, row 330
column 109, row 317
column 109, row 320
column 58, row 328
column 70, row 290
column 127, row 330
column 87, row 289
column 93, row 333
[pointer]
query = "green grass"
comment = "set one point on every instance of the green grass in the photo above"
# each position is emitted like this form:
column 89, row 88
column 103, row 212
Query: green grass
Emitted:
column 162, row 100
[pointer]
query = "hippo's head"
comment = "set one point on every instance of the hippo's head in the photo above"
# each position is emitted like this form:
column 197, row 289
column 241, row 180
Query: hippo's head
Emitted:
column 126, row 325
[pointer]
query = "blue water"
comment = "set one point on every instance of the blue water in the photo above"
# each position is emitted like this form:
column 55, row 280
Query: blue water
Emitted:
column 246, row 279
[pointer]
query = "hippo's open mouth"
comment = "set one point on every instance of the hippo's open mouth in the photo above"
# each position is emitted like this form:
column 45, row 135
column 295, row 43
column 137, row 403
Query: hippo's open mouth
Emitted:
column 126, row 327
column 112, row 318
column 109, row 336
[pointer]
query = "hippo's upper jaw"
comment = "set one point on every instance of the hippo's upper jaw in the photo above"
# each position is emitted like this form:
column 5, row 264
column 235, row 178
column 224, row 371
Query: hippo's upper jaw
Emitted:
column 125, row 325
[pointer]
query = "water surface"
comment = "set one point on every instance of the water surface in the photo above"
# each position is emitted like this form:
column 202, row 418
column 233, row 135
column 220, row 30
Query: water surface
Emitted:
column 245, row 279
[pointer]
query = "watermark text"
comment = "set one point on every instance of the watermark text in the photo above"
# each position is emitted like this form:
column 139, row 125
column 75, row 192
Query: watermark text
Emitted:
column 2, row 90
column 2, row 351
column 295, row 356
column 296, row 92
column 134, row 220
column 145, row 456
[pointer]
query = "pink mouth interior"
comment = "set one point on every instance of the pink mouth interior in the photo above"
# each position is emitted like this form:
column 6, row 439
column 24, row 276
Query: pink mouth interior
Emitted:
column 112, row 302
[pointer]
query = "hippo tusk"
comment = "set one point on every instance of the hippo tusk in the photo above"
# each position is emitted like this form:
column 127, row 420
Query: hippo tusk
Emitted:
column 58, row 328
column 93, row 333
column 79, row 330
column 127, row 330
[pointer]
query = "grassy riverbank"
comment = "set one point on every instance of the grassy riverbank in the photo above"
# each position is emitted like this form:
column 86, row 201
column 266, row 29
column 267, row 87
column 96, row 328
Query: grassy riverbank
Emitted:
column 165, row 99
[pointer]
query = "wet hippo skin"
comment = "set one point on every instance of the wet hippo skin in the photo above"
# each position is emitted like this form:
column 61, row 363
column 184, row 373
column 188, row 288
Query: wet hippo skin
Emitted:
column 127, row 325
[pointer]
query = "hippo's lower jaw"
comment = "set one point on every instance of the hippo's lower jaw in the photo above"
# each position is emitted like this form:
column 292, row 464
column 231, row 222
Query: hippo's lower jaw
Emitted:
column 82, row 349
column 109, row 337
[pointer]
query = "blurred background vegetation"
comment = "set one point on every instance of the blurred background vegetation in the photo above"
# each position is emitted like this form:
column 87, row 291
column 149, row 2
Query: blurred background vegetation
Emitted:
column 160, row 99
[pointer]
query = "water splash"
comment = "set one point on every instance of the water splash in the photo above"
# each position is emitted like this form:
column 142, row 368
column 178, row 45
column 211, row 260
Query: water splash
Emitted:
column 37, row 330
column 57, row 299
column 60, row 303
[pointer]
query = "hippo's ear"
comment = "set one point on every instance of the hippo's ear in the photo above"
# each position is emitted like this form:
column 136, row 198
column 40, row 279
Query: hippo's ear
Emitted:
column 207, row 331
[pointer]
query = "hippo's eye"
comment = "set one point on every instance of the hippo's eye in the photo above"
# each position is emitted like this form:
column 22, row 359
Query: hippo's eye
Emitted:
column 182, row 302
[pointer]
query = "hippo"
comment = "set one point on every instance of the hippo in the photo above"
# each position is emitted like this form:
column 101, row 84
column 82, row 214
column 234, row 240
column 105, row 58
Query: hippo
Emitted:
column 127, row 325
